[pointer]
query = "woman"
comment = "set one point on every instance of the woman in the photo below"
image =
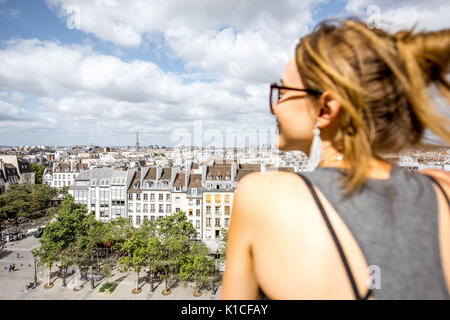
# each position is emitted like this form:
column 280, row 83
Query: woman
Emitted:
column 363, row 228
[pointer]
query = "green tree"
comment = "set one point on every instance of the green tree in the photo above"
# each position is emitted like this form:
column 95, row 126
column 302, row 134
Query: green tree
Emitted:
column 175, row 233
column 135, row 247
column 41, row 196
column 48, row 255
column 107, row 270
column 223, row 244
column 63, row 192
column 154, row 259
column 38, row 172
column 199, row 267
column 61, row 237
column 16, row 202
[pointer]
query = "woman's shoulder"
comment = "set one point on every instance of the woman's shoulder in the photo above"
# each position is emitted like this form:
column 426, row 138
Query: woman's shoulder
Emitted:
column 443, row 177
column 267, row 181
column 263, row 191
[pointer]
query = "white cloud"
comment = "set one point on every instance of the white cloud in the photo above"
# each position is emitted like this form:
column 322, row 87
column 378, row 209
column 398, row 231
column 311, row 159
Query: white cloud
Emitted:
column 9, row 112
column 78, row 89
column 249, row 40
column 403, row 14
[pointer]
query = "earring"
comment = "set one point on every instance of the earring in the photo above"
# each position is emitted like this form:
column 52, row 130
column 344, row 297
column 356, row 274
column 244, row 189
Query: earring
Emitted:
column 315, row 154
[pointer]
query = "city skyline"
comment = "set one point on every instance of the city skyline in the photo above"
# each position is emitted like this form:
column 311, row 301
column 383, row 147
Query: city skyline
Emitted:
column 95, row 72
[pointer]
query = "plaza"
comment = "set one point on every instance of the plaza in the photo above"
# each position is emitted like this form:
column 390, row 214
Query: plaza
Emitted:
column 13, row 283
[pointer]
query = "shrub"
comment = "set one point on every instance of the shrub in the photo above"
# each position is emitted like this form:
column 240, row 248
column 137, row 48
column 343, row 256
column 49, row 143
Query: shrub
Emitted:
column 110, row 286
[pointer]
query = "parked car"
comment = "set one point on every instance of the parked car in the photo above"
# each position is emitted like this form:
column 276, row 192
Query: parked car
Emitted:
column 39, row 233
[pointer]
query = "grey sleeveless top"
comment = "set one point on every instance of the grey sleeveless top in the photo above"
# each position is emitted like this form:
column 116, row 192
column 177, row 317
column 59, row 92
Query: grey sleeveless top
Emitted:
column 395, row 223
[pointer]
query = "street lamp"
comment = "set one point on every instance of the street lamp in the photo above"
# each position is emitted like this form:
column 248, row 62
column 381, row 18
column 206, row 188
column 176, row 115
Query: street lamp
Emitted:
column 92, row 273
column 216, row 259
column 35, row 271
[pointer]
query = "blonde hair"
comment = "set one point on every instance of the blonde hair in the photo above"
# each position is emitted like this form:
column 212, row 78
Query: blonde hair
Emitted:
column 381, row 81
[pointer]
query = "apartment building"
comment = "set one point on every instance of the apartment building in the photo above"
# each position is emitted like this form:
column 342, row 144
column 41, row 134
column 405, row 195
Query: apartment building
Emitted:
column 23, row 171
column 63, row 174
column 194, row 199
column 102, row 191
column 14, row 170
column 149, row 194
column 218, row 190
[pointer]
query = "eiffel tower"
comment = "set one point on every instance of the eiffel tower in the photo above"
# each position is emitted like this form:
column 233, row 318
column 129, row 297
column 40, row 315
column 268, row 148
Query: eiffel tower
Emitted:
column 137, row 140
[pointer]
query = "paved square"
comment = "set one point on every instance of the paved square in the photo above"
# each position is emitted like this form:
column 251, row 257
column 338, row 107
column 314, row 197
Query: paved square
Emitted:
column 13, row 283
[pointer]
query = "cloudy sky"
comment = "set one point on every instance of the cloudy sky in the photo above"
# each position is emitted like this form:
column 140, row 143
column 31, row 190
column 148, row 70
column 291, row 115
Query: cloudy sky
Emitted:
column 96, row 71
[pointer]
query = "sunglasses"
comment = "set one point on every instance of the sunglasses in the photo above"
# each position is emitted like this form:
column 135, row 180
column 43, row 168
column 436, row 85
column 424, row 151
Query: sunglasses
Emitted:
column 275, row 94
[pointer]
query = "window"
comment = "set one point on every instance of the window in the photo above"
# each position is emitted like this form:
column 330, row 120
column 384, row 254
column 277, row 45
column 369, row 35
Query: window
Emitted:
column 227, row 198
column 152, row 197
column 177, row 199
column 218, row 198
column 145, row 207
column 161, row 197
column 138, row 207
column 197, row 202
column 130, row 196
column 217, row 234
column 168, row 208
column 208, row 222
column 217, row 222
column 145, row 196
column 168, row 197
column 197, row 224
column 227, row 209
column 217, row 210
column 197, row 213
column 130, row 207
column 190, row 212
column 152, row 218
column 227, row 222
column 138, row 220
column 161, row 208
column 152, row 207
column 208, row 209
column 138, row 196
column 208, row 198
column 130, row 218
column 177, row 210
column 145, row 218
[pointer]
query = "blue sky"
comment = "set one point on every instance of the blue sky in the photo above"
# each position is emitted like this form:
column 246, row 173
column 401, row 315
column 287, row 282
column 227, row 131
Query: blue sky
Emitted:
column 96, row 71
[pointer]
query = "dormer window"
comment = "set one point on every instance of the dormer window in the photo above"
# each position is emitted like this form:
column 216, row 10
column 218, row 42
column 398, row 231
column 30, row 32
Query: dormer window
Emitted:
column 218, row 187
column 227, row 177
column 197, row 180
column 218, row 177
column 93, row 182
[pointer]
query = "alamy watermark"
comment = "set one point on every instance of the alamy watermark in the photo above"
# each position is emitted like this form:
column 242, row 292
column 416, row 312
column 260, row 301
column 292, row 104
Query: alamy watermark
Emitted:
column 373, row 20
column 374, row 281
column 74, row 19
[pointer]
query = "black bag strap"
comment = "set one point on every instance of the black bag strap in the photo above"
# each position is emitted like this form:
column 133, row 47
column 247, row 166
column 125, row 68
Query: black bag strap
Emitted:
column 336, row 241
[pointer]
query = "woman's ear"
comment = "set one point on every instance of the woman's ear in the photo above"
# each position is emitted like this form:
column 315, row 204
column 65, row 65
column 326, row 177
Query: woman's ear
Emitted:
column 328, row 110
